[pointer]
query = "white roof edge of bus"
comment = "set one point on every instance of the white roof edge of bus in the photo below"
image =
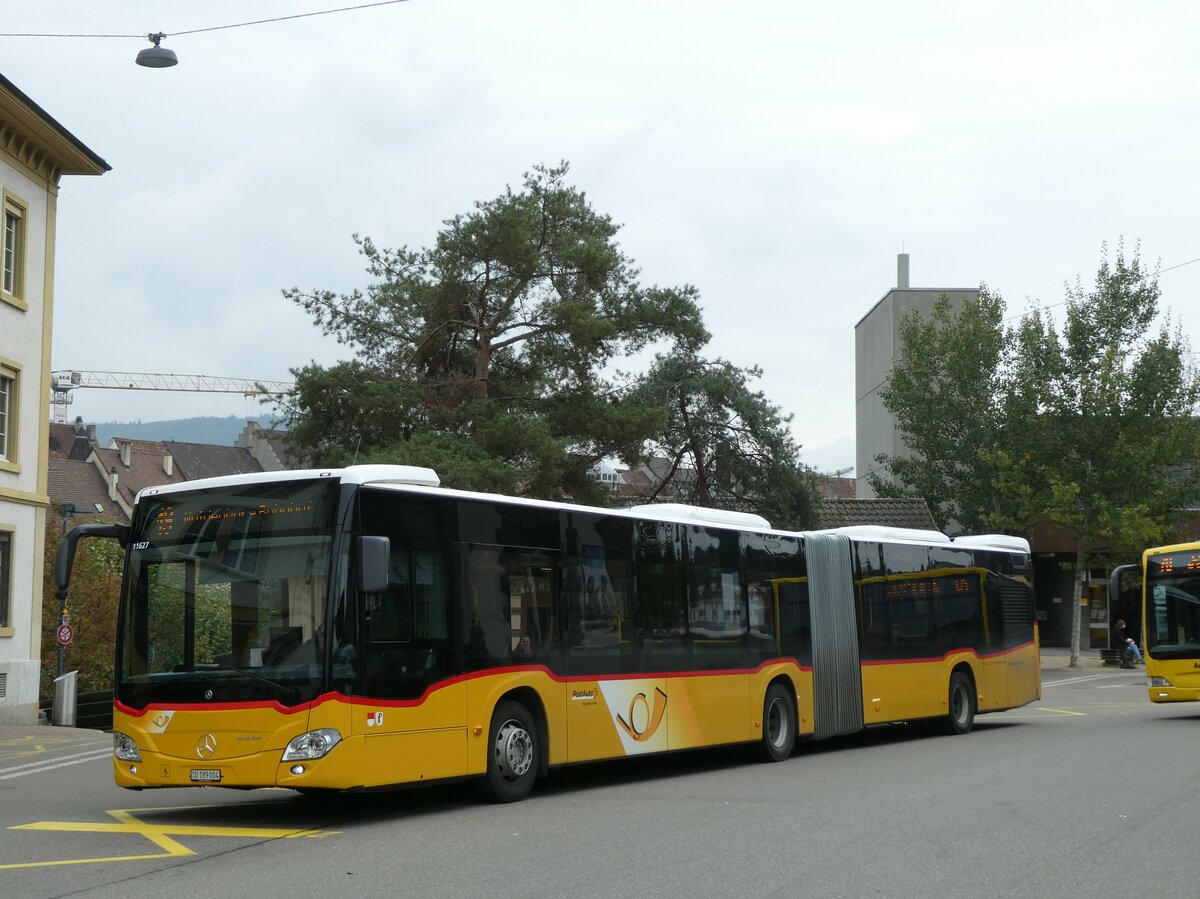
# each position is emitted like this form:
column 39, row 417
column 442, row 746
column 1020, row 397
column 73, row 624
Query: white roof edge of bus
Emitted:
column 915, row 535
column 416, row 476
column 695, row 514
column 883, row 532
column 391, row 474
column 353, row 474
column 232, row 480
column 1001, row 541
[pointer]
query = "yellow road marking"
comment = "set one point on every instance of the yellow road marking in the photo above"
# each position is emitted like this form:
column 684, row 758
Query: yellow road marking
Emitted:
column 1009, row 716
column 158, row 834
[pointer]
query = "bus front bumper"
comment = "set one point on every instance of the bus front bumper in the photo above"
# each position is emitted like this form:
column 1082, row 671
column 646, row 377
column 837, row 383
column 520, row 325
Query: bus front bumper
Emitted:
column 1171, row 693
column 256, row 770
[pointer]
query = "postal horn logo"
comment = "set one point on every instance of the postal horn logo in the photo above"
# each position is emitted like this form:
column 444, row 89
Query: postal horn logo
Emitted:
column 643, row 720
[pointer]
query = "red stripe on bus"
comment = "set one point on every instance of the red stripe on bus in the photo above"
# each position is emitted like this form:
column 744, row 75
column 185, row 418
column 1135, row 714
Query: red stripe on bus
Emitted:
column 962, row 651
column 336, row 696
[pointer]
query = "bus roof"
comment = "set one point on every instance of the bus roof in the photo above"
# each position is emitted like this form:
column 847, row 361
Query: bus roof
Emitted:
column 886, row 534
column 426, row 481
column 994, row 541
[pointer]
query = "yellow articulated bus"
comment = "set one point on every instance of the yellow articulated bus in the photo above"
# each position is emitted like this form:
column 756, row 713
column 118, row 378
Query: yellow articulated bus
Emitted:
column 365, row 627
column 1170, row 598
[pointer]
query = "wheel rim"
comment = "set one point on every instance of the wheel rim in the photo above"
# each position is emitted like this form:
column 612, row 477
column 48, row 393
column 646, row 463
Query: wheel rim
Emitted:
column 777, row 719
column 514, row 750
column 959, row 704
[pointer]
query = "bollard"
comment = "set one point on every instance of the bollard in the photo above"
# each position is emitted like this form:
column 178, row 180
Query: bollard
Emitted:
column 64, row 700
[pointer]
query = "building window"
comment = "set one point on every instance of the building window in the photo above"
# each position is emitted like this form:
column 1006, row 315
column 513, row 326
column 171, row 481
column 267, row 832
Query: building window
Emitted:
column 8, row 414
column 5, row 578
column 12, row 281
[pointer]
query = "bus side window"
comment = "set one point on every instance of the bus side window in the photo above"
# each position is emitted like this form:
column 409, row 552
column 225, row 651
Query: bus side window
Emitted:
column 778, row 598
column 486, row 616
column 876, row 621
column 795, row 628
column 510, row 596
column 389, row 614
column 598, row 594
column 533, row 631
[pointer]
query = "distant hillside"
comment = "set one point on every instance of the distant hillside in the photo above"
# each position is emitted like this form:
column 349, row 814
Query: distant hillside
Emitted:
column 205, row 429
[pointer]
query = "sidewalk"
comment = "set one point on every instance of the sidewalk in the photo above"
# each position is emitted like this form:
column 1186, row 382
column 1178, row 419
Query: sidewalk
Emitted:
column 1060, row 657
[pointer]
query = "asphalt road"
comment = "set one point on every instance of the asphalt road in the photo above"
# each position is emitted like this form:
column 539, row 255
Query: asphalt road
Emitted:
column 1090, row 792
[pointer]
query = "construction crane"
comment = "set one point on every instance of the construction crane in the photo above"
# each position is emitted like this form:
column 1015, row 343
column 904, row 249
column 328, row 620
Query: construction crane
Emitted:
column 62, row 383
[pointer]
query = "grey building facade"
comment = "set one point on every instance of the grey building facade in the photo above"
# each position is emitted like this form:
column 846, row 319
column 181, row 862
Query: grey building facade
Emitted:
column 876, row 350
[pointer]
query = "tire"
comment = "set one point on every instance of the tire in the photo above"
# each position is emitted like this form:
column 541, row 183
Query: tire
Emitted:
column 961, row 704
column 778, row 724
column 514, row 754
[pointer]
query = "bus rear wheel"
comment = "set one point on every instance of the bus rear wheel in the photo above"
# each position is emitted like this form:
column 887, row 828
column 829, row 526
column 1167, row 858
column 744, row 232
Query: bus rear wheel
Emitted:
column 961, row 716
column 513, row 754
column 778, row 724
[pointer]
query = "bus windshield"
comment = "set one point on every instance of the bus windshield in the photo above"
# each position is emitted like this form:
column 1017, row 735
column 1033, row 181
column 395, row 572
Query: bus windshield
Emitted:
column 226, row 593
column 1173, row 605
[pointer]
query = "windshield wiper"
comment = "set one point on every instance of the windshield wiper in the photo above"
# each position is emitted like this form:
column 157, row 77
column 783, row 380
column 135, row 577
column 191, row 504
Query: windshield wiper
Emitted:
column 181, row 680
column 283, row 689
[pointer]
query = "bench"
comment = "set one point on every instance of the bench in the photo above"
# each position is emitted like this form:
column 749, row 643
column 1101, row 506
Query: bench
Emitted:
column 1111, row 656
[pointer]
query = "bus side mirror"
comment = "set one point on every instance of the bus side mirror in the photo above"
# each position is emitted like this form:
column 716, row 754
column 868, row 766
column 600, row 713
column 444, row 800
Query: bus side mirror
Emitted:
column 65, row 557
column 373, row 556
column 1114, row 582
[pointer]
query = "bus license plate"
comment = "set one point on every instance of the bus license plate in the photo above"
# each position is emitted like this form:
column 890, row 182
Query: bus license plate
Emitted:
column 206, row 775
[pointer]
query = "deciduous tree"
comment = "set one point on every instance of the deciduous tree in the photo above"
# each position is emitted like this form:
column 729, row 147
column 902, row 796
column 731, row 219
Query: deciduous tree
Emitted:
column 95, row 590
column 1091, row 430
column 943, row 394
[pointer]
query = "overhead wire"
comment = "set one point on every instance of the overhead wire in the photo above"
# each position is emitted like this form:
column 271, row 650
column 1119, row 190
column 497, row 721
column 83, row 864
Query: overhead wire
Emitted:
column 303, row 15
column 1152, row 274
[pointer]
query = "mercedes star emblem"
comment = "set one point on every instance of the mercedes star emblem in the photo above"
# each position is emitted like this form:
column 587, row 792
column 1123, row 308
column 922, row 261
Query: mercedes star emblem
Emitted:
column 206, row 746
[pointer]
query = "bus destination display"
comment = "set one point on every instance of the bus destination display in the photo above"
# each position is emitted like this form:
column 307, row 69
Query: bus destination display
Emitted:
column 1173, row 564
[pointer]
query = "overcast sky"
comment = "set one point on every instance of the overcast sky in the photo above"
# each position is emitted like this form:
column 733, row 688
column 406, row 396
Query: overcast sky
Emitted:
column 777, row 155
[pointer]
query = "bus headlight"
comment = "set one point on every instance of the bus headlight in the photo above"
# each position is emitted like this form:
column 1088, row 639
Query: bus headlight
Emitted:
column 124, row 748
column 1160, row 682
column 313, row 745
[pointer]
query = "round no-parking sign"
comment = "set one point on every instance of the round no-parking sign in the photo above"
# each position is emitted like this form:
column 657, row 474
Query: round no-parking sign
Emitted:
column 65, row 634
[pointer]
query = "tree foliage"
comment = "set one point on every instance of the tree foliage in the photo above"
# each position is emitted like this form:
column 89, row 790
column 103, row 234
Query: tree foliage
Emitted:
column 490, row 349
column 725, row 444
column 92, row 605
column 1119, row 444
column 943, row 394
column 1090, row 429
column 492, row 356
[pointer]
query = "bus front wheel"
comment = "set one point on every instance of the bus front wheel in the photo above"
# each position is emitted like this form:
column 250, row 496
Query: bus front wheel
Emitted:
column 961, row 717
column 778, row 724
column 513, row 751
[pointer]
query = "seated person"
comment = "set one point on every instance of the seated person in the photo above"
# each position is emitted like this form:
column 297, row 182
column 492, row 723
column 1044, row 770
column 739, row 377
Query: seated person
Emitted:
column 287, row 646
column 524, row 649
column 245, row 655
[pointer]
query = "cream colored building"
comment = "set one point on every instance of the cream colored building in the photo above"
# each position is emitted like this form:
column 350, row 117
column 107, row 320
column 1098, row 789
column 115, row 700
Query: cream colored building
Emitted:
column 35, row 152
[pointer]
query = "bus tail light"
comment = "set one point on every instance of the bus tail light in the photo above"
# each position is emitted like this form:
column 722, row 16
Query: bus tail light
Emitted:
column 125, row 748
column 1160, row 682
column 313, row 745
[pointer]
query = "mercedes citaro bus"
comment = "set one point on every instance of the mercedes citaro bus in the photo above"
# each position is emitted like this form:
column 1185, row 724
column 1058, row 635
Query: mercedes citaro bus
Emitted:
column 365, row 627
column 1169, row 594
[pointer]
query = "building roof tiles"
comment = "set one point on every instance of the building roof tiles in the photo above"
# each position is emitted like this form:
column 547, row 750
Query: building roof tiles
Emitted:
column 900, row 513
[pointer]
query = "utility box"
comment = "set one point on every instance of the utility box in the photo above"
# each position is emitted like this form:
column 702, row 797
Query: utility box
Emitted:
column 63, row 714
